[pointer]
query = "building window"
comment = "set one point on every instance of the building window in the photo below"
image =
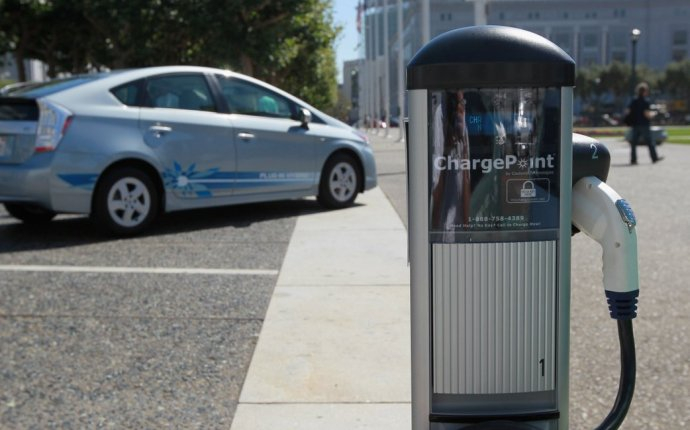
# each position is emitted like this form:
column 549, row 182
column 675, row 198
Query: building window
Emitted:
column 563, row 40
column 679, row 54
column 619, row 40
column 589, row 59
column 619, row 56
column 679, row 40
column 680, row 37
column 590, row 40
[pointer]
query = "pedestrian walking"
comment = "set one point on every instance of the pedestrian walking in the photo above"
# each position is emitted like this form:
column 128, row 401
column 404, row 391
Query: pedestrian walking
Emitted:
column 639, row 115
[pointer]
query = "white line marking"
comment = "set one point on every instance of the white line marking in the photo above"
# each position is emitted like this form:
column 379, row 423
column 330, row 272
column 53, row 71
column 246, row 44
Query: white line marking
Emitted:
column 145, row 270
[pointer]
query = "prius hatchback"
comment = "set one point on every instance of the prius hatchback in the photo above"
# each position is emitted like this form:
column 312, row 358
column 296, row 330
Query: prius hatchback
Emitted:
column 124, row 146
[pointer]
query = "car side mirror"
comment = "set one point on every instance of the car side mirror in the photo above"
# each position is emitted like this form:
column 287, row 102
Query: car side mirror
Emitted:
column 304, row 117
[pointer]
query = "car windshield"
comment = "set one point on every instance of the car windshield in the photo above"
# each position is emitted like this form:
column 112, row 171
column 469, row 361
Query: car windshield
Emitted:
column 35, row 90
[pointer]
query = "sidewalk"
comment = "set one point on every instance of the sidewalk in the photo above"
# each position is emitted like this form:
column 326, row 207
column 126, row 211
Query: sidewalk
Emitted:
column 334, row 350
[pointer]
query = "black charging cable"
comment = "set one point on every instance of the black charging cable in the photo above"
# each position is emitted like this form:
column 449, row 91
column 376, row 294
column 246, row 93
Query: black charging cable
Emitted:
column 626, row 386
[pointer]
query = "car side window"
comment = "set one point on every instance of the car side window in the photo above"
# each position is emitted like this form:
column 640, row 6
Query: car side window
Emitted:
column 249, row 99
column 188, row 91
column 127, row 94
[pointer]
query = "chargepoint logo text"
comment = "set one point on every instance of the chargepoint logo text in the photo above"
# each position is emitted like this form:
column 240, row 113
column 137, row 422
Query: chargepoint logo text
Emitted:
column 489, row 164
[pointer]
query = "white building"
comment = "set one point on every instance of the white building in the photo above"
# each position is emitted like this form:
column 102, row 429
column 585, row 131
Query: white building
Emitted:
column 591, row 31
column 35, row 70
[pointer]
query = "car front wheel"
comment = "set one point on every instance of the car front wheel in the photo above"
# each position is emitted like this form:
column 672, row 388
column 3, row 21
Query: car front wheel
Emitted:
column 340, row 182
column 126, row 202
column 29, row 214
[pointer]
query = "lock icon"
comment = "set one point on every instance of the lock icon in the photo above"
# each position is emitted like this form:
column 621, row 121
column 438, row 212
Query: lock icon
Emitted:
column 528, row 190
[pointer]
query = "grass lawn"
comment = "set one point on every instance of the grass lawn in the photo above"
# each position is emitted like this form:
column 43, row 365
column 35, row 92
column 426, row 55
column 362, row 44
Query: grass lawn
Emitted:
column 601, row 131
column 676, row 133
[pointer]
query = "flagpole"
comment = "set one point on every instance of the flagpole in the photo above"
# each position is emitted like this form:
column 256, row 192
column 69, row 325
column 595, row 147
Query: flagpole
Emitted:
column 386, row 70
column 401, row 74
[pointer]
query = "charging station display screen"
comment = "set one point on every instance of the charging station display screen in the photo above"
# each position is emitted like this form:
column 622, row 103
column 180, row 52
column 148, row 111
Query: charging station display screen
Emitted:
column 494, row 163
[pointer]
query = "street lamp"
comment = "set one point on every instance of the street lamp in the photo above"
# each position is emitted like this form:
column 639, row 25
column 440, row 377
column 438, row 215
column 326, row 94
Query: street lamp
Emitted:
column 634, row 37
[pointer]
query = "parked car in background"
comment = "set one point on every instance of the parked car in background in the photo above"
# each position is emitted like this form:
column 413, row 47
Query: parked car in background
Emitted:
column 659, row 135
column 124, row 146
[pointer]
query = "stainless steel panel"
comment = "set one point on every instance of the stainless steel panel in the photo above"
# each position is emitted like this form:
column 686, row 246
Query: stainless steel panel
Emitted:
column 417, row 162
column 493, row 316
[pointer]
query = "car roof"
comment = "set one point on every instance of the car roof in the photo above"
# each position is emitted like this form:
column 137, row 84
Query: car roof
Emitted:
column 94, row 87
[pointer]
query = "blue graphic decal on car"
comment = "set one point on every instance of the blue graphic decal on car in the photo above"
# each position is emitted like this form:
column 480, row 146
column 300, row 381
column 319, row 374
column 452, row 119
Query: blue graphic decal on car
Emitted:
column 86, row 181
column 191, row 182
column 262, row 179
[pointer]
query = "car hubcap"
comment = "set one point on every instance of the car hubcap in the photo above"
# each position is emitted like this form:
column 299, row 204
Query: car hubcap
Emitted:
column 343, row 182
column 129, row 202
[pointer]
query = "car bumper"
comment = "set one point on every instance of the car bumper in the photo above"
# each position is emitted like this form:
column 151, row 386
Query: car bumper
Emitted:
column 369, row 164
column 38, row 182
column 28, row 182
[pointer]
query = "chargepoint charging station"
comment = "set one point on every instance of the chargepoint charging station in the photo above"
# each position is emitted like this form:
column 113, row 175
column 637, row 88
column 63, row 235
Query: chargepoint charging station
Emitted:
column 496, row 187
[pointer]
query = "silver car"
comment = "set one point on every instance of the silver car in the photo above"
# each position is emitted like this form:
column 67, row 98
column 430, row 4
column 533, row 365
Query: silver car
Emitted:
column 124, row 146
column 659, row 135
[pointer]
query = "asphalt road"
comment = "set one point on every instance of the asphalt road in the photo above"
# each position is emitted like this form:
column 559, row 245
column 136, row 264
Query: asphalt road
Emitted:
column 152, row 349
column 660, row 197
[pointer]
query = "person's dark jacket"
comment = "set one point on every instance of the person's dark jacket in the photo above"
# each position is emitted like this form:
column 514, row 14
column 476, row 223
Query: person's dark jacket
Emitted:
column 637, row 109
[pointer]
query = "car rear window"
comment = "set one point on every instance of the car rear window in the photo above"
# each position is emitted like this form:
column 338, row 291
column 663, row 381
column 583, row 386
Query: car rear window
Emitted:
column 12, row 109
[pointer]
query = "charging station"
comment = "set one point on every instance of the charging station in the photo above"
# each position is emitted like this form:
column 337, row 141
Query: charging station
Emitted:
column 495, row 186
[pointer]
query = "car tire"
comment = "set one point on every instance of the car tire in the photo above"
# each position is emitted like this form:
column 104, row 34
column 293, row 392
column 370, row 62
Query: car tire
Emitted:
column 126, row 201
column 340, row 182
column 29, row 214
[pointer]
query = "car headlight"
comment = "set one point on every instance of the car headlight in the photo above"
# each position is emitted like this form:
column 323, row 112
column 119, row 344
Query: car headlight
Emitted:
column 361, row 135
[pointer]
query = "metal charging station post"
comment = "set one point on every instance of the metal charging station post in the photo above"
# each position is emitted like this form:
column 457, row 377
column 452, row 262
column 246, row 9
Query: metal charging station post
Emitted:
column 489, row 197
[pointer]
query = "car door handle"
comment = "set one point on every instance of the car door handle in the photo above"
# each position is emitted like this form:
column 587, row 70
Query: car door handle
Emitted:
column 246, row 136
column 160, row 130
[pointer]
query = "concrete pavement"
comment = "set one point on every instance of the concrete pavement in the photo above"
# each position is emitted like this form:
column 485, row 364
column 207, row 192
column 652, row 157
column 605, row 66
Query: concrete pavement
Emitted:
column 334, row 349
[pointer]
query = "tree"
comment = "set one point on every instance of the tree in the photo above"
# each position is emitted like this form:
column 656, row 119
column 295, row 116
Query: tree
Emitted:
column 615, row 77
column 312, row 74
column 607, row 89
column 288, row 43
column 676, row 80
column 19, row 30
column 587, row 83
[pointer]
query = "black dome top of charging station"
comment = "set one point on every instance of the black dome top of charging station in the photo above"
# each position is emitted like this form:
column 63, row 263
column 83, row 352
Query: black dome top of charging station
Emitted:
column 490, row 56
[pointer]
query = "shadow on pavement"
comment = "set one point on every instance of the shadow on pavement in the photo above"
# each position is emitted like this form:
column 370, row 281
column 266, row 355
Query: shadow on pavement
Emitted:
column 70, row 230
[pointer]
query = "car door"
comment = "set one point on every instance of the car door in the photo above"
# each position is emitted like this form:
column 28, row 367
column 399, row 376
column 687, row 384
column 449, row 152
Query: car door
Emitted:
column 192, row 140
column 275, row 154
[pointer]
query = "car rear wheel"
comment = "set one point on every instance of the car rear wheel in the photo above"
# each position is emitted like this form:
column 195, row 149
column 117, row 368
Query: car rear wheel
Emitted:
column 340, row 182
column 29, row 214
column 126, row 201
